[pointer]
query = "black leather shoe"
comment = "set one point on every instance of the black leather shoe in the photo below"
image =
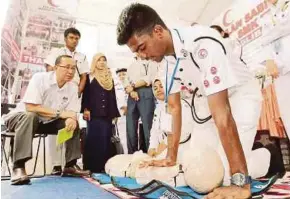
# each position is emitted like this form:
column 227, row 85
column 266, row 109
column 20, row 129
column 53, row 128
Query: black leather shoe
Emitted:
column 75, row 171
column 56, row 171
column 19, row 177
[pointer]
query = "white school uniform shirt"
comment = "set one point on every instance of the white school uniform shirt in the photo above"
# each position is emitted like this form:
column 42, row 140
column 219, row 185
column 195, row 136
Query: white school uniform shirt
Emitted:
column 81, row 60
column 43, row 90
column 206, row 62
column 157, row 135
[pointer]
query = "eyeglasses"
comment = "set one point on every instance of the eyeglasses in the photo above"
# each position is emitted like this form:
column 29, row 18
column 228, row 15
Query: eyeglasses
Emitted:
column 67, row 67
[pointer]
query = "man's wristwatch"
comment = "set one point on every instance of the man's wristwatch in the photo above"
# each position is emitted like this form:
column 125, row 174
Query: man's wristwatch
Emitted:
column 240, row 179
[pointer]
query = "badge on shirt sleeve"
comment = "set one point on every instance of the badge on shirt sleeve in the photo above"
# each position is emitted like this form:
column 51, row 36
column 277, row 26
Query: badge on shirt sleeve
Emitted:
column 202, row 53
column 184, row 52
column 206, row 83
column 213, row 70
column 216, row 80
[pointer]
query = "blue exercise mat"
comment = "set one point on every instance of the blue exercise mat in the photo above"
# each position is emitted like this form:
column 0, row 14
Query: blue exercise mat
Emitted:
column 157, row 189
column 102, row 178
column 55, row 188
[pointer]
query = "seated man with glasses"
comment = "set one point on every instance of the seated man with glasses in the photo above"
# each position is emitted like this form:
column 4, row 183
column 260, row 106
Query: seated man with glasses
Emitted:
column 49, row 104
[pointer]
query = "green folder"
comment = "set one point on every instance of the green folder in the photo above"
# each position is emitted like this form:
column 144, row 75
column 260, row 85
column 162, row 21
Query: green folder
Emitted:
column 63, row 135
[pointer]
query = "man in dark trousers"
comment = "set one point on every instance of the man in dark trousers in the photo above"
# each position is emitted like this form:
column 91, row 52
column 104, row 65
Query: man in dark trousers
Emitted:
column 141, row 101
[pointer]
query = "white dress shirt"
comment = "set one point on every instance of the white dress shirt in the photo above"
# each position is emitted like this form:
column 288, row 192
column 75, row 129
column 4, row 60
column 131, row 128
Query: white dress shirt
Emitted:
column 215, row 69
column 141, row 70
column 157, row 135
column 216, row 66
column 43, row 90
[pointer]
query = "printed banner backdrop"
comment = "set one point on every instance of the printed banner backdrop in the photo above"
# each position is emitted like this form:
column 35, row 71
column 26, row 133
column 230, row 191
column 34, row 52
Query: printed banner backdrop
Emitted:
column 242, row 20
column 43, row 32
column 43, row 29
column 11, row 45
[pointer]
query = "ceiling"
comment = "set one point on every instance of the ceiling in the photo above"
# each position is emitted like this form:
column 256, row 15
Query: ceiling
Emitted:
column 173, row 12
column 92, row 13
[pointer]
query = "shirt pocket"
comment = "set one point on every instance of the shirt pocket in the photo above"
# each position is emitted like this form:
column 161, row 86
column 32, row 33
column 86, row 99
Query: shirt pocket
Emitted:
column 64, row 102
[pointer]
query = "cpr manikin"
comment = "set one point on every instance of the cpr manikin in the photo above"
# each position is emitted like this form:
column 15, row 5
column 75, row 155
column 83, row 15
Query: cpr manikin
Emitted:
column 201, row 174
column 203, row 169
column 125, row 165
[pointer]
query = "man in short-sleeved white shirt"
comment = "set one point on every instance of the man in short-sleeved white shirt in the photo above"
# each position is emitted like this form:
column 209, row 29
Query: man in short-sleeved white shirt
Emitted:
column 71, row 37
column 205, row 62
column 49, row 104
column 140, row 103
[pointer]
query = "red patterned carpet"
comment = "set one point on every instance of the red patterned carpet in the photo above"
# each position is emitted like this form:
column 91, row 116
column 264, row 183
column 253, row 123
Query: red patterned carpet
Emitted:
column 280, row 190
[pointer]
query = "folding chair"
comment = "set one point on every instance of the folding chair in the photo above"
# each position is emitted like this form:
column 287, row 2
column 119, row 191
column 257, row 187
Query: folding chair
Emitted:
column 5, row 133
